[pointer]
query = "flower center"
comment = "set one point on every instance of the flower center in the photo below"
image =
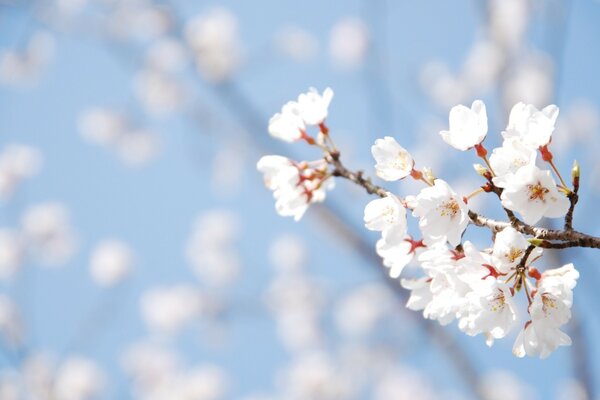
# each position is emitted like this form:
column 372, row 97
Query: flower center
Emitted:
column 514, row 254
column 498, row 302
column 389, row 213
column 537, row 192
column 449, row 208
column 547, row 303
column 401, row 162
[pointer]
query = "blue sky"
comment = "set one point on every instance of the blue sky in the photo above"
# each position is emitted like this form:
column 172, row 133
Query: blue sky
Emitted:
column 153, row 208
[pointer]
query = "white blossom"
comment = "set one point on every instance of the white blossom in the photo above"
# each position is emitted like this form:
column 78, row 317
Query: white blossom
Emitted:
column 490, row 310
column 532, row 192
column 549, row 310
column 313, row 107
column 509, row 248
column 393, row 161
column 509, row 158
column 287, row 125
column 294, row 185
column 385, row 213
column 442, row 213
column 398, row 251
column 533, row 127
column 468, row 126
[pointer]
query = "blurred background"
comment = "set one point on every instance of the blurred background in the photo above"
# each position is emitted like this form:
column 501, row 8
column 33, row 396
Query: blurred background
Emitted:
column 141, row 256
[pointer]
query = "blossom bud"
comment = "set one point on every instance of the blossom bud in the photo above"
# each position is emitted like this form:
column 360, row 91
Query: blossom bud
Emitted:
column 576, row 171
column 480, row 169
column 536, row 242
column 428, row 173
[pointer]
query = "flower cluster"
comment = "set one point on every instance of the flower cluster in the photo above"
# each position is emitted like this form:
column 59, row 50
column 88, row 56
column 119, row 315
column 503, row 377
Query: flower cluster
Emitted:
column 476, row 287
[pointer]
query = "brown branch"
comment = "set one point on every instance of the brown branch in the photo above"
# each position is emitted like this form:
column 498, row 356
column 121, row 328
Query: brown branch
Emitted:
column 567, row 238
column 357, row 177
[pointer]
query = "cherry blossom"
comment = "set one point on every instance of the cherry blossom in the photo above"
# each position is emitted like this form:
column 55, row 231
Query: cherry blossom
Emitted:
column 385, row 213
column 294, row 185
column 532, row 192
column 509, row 158
column 532, row 126
column 287, row 125
column 549, row 310
column 443, row 215
column 468, row 126
column 509, row 248
column 314, row 107
column 393, row 161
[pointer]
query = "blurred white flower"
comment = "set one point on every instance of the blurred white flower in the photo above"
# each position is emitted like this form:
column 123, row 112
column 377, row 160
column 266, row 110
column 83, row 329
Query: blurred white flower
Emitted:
column 166, row 55
column 11, row 253
column 78, row 378
column 297, row 43
column 348, row 42
column 149, row 364
column 111, row 261
column 205, row 382
column 505, row 385
column 167, row 310
column 288, row 253
column 316, row 376
column 358, row 312
column 531, row 81
column 159, row 93
column 508, row 21
column 109, row 128
column 17, row 162
column 402, row 383
column 11, row 326
column 139, row 21
column 210, row 248
column 138, row 147
column 101, row 125
column 23, row 67
column 571, row 389
column 48, row 233
column 213, row 39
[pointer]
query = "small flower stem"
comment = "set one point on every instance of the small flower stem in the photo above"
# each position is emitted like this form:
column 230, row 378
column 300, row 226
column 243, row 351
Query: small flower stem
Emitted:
column 474, row 193
column 482, row 153
column 562, row 181
column 418, row 176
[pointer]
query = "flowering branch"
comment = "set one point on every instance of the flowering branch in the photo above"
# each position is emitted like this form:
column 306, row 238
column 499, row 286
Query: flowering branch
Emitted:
column 567, row 237
column 475, row 287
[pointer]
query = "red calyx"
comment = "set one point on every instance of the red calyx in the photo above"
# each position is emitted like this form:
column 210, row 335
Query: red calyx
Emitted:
column 481, row 151
column 534, row 273
column 546, row 154
column 493, row 271
column 307, row 138
column 456, row 255
column 414, row 244
column 417, row 175
column 324, row 129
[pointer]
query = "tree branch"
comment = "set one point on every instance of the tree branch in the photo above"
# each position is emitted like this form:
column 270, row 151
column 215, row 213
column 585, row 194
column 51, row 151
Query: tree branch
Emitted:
column 566, row 238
